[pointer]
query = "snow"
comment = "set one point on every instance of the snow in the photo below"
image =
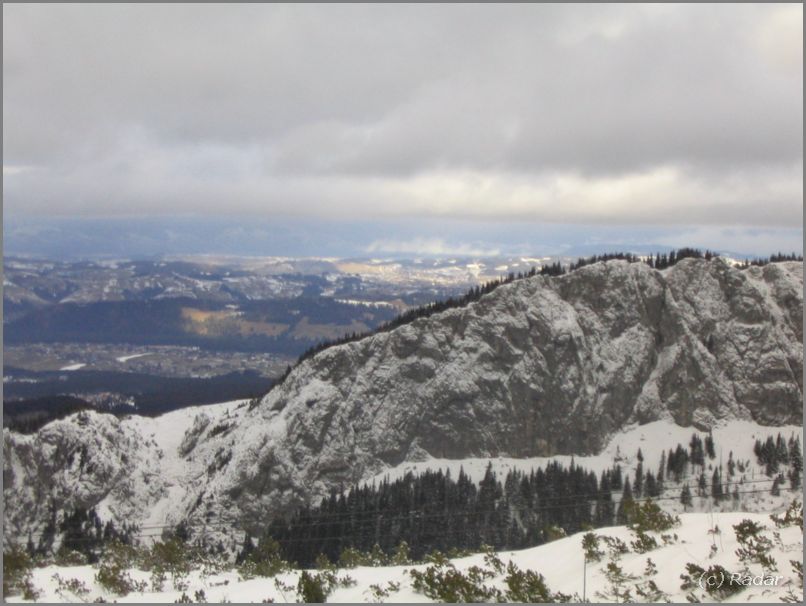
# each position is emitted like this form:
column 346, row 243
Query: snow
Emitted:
column 73, row 366
column 561, row 562
column 132, row 357
column 167, row 432
column 653, row 439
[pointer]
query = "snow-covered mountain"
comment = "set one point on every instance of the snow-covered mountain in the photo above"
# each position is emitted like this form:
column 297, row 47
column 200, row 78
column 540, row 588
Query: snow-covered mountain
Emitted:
column 539, row 367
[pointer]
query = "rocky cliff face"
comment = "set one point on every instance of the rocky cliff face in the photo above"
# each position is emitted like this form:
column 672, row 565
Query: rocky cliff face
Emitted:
column 540, row 366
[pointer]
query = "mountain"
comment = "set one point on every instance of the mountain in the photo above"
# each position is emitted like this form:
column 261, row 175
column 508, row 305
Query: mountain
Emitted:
column 539, row 367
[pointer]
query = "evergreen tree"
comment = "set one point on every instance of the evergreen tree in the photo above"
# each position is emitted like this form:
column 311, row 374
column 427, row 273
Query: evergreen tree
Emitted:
column 626, row 503
column 639, row 479
column 776, row 486
column 685, row 497
column 701, row 485
column 716, row 486
column 795, row 462
column 709, row 446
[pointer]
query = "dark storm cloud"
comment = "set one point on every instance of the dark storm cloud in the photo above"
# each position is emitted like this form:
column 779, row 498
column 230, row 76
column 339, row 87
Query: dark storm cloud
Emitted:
column 580, row 113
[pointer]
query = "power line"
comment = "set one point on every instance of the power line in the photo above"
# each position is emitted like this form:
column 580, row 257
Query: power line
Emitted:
column 560, row 502
column 439, row 515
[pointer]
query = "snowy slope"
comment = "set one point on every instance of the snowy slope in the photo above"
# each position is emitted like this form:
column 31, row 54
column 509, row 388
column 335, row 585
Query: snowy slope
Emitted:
column 561, row 562
column 129, row 469
column 653, row 439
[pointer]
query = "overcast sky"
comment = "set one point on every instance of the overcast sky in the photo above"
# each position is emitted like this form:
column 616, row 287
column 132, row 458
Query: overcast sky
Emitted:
column 625, row 115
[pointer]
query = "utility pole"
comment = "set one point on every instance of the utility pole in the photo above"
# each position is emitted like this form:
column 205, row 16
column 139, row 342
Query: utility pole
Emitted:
column 584, row 578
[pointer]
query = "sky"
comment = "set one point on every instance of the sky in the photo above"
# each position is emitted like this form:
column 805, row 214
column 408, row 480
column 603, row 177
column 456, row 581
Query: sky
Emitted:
column 401, row 129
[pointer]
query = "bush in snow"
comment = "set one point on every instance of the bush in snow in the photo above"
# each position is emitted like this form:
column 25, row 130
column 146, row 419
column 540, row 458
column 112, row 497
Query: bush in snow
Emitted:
column 643, row 542
column 618, row 588
column 716, row 581
column 754, row 546
column 528, row 586
column 792, row 517
column 647, row 589
column 441, row 581
column 590, row 544
column 379, row 593
column 17, row 567
column 615, row 547
column 113, row 575
column 70, row 588
column 618, row 583
column 648, row 516
column 265, row 560
column 169, row 557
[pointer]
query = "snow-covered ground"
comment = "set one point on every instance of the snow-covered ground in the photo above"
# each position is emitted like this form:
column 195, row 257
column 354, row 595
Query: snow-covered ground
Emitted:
column 561, row 562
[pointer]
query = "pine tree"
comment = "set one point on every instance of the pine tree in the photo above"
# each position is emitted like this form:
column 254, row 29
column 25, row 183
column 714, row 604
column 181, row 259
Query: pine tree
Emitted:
column 776, row 486
column 685, row 497
column 716, row 486
column 795, row 462
column 639, row 478
column 709, row 446
column 626, row 503
column 701, row 485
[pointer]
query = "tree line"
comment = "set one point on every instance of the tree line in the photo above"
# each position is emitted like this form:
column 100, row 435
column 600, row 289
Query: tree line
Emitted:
column 434, row 511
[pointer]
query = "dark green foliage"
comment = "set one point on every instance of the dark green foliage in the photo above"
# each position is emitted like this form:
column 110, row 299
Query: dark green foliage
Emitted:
column 590, row 545
column 527, row 586
column 775, row 258
column 677, row 462
column 754, row 546
column 697, row 451
column 441, row 581
column 792, row 517
column 625, row 504
column 647, row 516
column 685, row 497
column 311, row 588
column 263, row 560
column 17, row 567
column 774, row 453
column 795, row 462
column 709, row 446
column 113, row 576
column 618, row 583
column 717, row 491
column 723, row 587
column 643, row 542
column 647, row 589
column 433, row 511
column 83, row 535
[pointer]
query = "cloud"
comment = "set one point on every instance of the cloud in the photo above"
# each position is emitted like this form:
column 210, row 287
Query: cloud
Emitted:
column 10, row 171
column 616, row 113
